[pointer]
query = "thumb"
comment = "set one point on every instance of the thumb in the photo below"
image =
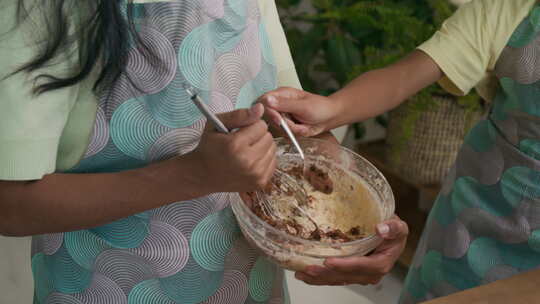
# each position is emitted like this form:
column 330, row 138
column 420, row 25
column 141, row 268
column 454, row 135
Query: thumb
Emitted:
column 242, row 117
column 393, row 229
column 286, row 100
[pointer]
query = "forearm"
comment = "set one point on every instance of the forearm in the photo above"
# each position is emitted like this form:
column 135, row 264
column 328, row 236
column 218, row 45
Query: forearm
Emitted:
column 379, row 91
column 68, row 202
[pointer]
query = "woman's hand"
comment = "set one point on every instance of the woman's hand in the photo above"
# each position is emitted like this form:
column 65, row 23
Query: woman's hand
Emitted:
column 241, row 161
column 370, row 94
column 307, row 114
column 237, row 162
column 362, row 270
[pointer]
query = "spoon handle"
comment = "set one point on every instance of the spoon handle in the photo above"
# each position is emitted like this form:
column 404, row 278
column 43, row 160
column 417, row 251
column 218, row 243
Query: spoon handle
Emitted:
column 285, row 127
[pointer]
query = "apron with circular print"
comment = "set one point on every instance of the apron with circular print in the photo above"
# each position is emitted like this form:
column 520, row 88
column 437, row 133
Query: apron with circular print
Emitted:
column 187, row 252
column 485, row 224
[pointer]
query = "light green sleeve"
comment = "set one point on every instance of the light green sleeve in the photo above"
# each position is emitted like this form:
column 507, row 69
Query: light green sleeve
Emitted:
column 467, row 46
column 30, row 126
column 287, row 76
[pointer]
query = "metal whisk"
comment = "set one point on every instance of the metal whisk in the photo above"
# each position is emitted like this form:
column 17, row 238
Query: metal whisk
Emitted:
column 300, row 195
column 286, row 185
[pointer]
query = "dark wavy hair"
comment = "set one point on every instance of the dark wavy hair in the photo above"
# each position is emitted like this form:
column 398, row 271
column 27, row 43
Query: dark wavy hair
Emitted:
column 103, row 38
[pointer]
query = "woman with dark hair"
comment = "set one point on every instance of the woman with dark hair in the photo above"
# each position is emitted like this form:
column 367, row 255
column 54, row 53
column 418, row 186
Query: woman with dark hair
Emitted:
column 106, row 161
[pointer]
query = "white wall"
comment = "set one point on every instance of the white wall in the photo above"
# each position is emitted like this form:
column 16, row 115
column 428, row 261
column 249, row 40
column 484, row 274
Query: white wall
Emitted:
column 16, row 284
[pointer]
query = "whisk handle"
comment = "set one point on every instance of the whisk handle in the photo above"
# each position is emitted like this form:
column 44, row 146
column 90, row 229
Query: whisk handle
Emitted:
column 211, row 117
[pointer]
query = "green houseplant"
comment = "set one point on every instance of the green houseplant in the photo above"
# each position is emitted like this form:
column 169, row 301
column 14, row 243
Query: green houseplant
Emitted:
column 348, row 37
column 344, row 38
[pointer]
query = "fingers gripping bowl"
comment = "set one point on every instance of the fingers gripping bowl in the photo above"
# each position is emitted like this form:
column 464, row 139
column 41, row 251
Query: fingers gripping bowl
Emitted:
column 344, row 211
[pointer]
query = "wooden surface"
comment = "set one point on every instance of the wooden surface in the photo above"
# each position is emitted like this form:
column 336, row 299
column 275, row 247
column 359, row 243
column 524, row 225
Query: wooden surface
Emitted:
column 520, row 289
column 407, row 195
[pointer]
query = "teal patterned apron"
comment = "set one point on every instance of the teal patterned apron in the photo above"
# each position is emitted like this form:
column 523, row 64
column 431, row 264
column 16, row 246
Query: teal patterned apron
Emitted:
column 187, row 252
column 485, row 224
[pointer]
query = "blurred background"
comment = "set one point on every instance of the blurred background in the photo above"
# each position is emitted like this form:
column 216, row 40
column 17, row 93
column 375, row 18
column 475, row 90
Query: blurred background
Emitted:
column 332, row 42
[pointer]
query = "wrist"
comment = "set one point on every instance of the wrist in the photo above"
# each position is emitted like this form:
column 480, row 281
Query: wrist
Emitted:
column 338, row 112
column 193, row 175
column 176, row 179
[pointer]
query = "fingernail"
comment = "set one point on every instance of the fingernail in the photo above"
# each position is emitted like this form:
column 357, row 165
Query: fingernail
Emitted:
column 272, row 101
column 329, row 263
column 383, row 229
column 254, row 109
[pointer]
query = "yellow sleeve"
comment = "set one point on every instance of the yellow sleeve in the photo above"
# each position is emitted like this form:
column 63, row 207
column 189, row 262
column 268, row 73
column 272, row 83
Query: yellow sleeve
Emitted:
column 286, row 70
column 467, row 46
column 30, row 126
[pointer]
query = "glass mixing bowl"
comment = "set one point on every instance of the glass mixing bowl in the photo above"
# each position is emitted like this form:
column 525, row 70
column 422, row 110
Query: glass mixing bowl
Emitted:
column 295, row 253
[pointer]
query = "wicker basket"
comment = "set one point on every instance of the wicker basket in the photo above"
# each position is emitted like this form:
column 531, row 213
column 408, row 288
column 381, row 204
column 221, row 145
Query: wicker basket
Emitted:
column 432, row 149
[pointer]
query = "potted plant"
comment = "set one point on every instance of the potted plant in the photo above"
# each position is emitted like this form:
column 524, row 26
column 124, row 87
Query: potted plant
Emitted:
column 343, row 38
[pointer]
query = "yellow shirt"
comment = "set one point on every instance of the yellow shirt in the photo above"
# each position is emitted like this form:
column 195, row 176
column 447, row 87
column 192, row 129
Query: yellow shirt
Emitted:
column 49, row 132
column 469, row 43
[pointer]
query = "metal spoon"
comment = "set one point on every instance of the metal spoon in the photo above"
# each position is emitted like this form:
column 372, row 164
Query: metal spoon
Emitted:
column 291, row 136
column 221, row 127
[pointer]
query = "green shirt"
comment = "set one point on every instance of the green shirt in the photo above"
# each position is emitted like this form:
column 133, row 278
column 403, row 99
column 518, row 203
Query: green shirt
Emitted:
column 50, row 132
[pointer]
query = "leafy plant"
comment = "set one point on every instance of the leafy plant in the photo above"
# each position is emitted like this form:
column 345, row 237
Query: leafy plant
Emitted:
column 346, row 38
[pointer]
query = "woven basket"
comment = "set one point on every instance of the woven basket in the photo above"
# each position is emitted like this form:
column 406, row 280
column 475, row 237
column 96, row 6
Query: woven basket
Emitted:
column 437, row 137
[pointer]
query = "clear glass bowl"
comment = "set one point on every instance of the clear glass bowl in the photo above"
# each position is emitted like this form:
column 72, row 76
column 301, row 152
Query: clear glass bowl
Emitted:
column 296, row 253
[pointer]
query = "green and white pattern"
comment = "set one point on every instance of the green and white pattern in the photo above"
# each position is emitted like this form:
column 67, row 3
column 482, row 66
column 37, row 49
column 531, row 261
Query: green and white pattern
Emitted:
column 187, row 252
column 485, row 225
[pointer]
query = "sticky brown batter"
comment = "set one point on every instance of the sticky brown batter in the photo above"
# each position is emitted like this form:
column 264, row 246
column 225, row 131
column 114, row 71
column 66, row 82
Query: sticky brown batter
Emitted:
column 316, row 177
column 342, row 206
